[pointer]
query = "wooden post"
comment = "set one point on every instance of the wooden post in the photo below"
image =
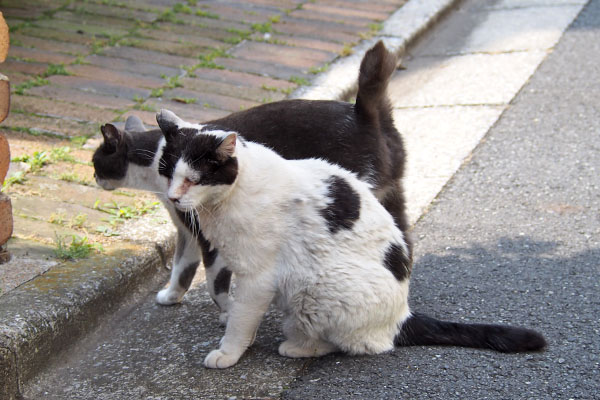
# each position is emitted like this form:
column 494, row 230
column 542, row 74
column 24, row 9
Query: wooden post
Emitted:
column 6, row 220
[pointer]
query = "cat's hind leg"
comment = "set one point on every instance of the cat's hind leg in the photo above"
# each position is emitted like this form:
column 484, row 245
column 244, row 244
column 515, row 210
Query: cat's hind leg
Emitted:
column 185, row 264
column 299, row 344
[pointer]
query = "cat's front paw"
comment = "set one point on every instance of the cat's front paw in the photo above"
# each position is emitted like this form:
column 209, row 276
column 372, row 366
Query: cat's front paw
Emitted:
column 219, row 359
column 167, row 297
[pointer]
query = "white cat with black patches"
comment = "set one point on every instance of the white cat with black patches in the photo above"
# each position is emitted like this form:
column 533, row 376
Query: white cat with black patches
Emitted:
column 315, row 237
column 360, row 137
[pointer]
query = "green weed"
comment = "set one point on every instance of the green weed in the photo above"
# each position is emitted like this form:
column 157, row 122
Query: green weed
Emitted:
column 18, row 178
column 298, row 80
column 76, row 247
column 262, row 28
column 34, row 82
column 55, row 69
column 185, row 100
column 207, row 14
column 35, row 161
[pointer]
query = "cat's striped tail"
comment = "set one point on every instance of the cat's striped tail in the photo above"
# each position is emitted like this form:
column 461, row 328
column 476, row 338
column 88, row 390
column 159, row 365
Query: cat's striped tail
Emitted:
column 421, row 330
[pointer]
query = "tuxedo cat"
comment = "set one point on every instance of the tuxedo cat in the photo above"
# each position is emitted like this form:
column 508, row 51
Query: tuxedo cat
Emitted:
column 360, row 137
column 312, row 235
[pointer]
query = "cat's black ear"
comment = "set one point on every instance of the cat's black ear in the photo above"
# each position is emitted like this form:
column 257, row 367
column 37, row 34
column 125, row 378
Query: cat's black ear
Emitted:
column 227, row 147
column 168, row 122
column 112, row 137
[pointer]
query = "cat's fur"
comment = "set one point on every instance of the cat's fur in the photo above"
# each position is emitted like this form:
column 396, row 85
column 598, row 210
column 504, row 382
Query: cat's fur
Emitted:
column 359, row 137
column 311, row 234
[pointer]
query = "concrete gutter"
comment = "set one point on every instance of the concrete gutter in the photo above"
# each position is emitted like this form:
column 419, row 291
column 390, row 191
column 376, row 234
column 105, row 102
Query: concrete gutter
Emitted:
column 46, row 315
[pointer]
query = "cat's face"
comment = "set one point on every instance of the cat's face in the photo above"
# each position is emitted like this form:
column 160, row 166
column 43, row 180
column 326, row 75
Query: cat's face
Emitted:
column 110, row 159
column 200, row 164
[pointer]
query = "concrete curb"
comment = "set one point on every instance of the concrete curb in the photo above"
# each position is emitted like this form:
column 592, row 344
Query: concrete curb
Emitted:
column 399, row 31
column 46, row 315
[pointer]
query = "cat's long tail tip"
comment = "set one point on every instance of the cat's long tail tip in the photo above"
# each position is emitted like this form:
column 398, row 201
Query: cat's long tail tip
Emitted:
column 421, row 330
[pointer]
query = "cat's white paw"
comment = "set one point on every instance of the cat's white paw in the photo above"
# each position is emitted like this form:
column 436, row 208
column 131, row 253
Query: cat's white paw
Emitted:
column 218, row 359
column 167, row 297
column 223, row 316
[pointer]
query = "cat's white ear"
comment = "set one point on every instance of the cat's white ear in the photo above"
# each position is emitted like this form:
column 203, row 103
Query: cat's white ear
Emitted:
column 227, row 147
column 168, row 122
column 112, row 136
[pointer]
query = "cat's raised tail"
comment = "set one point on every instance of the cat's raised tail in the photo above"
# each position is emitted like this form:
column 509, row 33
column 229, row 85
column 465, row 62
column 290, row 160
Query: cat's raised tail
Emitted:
column 377, row 66
column 421, row 330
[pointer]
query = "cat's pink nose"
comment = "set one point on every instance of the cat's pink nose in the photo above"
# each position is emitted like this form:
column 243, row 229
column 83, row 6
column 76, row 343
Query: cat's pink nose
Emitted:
column 174, row 199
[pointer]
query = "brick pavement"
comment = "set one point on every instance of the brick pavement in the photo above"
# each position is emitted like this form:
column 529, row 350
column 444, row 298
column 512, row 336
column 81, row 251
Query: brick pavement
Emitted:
column 74, row 65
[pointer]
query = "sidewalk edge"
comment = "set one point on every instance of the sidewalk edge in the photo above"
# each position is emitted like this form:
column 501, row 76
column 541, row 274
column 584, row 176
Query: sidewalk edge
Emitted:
column 399, row 31
column 47, row 314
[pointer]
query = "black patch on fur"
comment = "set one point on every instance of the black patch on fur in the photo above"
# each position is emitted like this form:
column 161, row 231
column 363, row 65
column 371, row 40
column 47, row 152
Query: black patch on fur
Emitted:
column 344, row 208
column 421, row 330
column 186, row 276
column 222, row 281
column 200, row 152
column 398, row 264
column 202, row 156
column 191, row 223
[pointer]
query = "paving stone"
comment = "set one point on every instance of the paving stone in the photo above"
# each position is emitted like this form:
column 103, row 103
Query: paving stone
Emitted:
column 113, row 11
column 112, row 24
column 284, row 55
column 48, row 45
column 183, row 48
column 99, row 31
column 261, row 68
column 257, row 94
column 9, row 66
column 210, row 100
column 43, row 56
column 242, row 12
column 29, row 259
column 21, row 13
column 47, row 125
column 206, row 27
column 190, row 112
column 58, row 35
column 51, row 107
column 357, row 22
column 315, row 30
column 98, row 86
column 308, row 43
column 276, row 4
column 379, row 6
column 147, row 117
column 242, row 79
column 343, row 12
column 117, row 77
column 149, row 56
column 141, row 67
column 81, row 97
column 173, row 38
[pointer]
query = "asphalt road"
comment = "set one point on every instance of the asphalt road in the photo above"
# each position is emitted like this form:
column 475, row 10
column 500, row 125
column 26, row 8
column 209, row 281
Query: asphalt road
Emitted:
column 513, row 238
